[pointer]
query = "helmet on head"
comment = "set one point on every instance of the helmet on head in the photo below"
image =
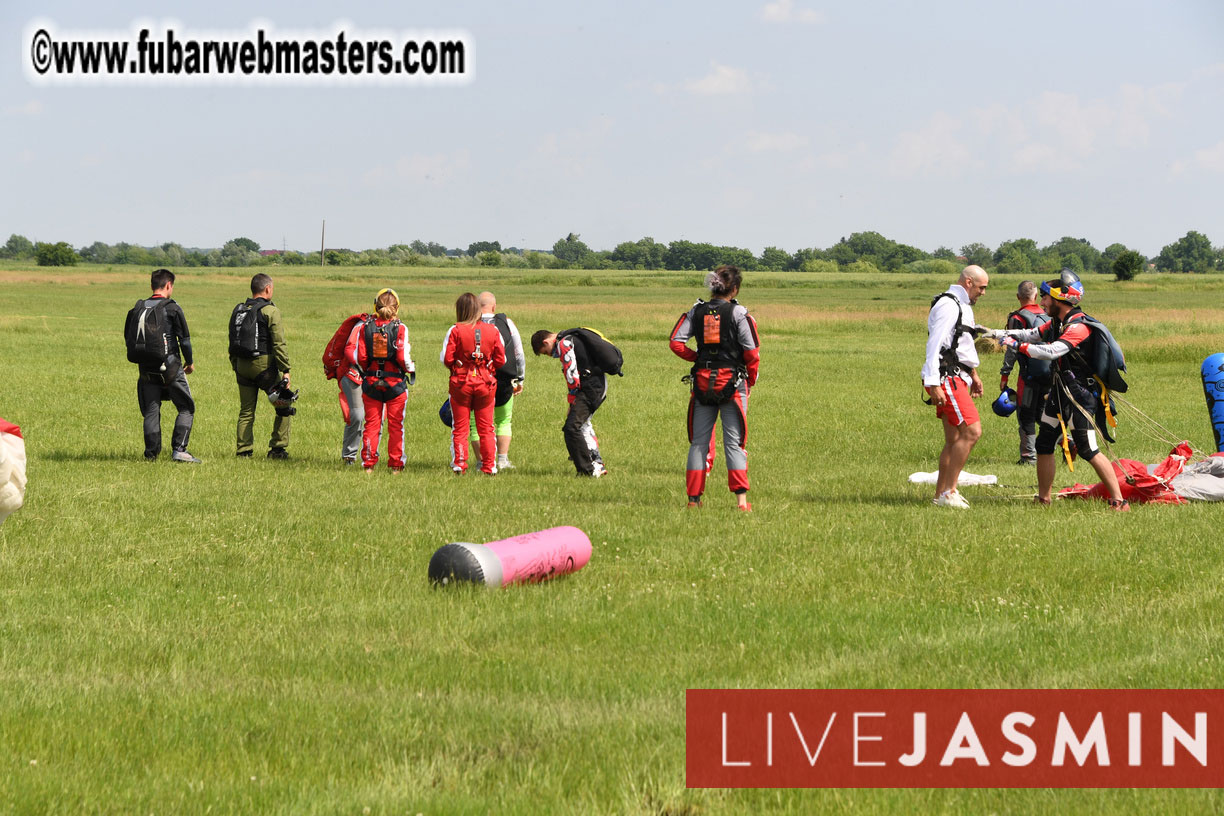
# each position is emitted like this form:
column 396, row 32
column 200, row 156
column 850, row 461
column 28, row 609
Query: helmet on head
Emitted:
column 1067, row 287
column 1005, row 405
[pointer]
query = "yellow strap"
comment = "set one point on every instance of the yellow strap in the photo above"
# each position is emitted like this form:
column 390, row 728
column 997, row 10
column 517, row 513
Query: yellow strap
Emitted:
column 1066, row 446
column 1110, row 419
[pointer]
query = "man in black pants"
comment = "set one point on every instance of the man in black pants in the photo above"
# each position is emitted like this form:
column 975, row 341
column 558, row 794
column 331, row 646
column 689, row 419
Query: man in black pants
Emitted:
column 1035, row 375
column 168, row 380
column 588, row 387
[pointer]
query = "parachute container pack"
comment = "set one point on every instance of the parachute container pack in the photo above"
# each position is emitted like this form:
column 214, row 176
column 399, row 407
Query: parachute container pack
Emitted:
column 1213, row 390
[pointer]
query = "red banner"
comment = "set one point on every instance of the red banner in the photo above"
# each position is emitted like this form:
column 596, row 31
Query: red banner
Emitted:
column 955, row 738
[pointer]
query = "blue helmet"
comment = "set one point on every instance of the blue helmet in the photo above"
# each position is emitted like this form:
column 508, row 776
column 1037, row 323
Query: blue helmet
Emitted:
column 444, row 413
column 1005, row 405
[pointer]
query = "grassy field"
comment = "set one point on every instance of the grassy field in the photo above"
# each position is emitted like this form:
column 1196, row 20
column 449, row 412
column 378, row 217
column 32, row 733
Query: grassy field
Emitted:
column 258, row 636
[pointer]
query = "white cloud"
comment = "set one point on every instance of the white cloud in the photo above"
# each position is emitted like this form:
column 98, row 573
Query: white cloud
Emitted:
column 1210, row 159
column 784, row 11
column 721, row 80
column 1057, row 131
column 436, row 168
column 1138, row 107
column 31, row 108
column 1210, row 71
column 999, row 121
column 855, row 156
column 1075, row 125
column 935, row 147
column 1040, row 157
column 783, row 142
column 419, row 168
column 573, row 153
column 1068, row 131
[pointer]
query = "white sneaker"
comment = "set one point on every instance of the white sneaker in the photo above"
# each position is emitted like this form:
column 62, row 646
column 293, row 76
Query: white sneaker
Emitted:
column 952, row 499
column 599, row 469
column 503, row 463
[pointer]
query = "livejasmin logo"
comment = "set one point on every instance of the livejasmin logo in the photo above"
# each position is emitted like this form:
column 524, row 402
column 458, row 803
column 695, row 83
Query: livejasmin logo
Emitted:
column 955, row 738
column 965, row 744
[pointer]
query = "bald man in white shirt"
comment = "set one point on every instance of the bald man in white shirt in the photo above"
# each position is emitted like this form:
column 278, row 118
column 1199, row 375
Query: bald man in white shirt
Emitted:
column 950, row 377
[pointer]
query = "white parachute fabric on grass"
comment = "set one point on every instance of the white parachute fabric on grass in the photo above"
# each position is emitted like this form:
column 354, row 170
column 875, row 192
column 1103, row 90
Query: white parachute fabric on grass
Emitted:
column 966, row 479
column 1201, row 481
column 12, row 469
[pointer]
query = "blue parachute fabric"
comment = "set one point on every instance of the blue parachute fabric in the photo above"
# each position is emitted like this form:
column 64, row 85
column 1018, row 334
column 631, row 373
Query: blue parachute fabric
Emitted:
column 1213, row 390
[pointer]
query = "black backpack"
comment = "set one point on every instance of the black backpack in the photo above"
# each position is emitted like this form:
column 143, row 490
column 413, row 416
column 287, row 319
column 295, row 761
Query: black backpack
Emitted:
column 718, row 350
column 1032, row 371
column 509, row 369
column 248, row 331
column 145, row 332
column 604, row 357
column 382, row 343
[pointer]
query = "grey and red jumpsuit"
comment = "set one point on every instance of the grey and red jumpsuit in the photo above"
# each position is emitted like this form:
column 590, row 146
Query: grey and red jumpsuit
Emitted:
column 725, row 370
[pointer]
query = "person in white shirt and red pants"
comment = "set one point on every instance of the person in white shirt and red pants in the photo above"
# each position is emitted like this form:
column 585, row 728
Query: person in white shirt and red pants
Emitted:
column 950, row 377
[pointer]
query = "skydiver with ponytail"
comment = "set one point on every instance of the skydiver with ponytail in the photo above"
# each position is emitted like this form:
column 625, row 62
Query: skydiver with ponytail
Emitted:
column 724, row 371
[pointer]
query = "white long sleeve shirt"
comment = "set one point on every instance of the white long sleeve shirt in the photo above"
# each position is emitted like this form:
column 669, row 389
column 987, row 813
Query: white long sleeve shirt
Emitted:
column 940, row 323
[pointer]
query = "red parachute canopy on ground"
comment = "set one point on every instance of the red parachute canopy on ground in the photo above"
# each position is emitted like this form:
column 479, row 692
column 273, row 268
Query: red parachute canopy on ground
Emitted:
column 1136, row 483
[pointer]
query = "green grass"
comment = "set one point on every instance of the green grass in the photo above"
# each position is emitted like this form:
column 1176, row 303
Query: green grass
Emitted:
column 254, row 636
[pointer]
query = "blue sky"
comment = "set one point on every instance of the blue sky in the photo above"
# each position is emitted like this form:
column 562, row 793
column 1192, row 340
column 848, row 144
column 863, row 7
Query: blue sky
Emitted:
column 789, row 123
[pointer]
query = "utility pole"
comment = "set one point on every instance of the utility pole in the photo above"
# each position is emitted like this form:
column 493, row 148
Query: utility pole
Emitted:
column 322, row 242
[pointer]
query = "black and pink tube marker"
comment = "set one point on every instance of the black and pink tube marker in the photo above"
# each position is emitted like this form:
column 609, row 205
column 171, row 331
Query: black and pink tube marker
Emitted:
column 523, row 559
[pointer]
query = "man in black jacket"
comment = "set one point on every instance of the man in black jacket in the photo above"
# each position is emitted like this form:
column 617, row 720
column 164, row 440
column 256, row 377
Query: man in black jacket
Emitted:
column 168, row 380
column 588, row 387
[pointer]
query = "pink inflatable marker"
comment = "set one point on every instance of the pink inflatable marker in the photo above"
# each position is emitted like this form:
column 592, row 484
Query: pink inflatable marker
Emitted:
column 524, row 559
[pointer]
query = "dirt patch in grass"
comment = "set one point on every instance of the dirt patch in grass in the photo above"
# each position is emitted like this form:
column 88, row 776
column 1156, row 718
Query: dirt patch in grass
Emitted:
column 59, row 278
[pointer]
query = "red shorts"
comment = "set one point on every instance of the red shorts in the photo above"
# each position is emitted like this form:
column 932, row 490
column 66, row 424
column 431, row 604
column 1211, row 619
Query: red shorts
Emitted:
column 959, row 409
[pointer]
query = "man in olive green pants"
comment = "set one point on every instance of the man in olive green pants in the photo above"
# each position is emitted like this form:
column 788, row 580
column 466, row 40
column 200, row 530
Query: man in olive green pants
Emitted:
column 259, row 359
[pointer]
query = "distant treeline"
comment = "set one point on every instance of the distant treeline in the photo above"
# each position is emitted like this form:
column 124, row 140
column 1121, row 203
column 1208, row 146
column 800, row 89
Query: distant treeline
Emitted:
column 861, row 252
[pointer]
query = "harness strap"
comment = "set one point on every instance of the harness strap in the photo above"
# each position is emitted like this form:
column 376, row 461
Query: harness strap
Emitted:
column 949, row 362
column 1109, row 454
column 1110, row 420
column 723, row 394
column 1066, row 445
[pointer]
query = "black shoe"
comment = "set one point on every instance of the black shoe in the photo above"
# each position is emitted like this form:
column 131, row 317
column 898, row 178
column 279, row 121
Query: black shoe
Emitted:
column 244, row 454
column 278, row 453
column 1024, row 460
